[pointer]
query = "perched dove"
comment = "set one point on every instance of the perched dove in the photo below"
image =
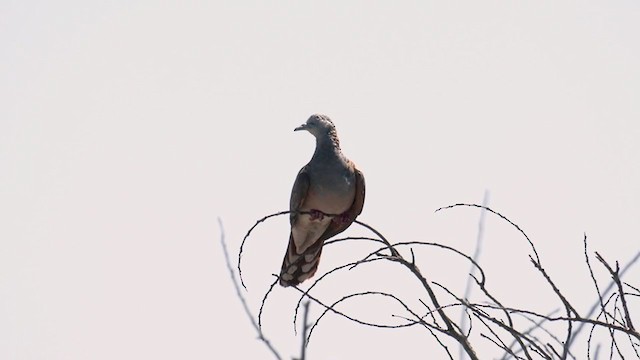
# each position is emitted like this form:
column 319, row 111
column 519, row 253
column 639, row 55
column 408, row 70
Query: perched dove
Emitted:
column 328, row 184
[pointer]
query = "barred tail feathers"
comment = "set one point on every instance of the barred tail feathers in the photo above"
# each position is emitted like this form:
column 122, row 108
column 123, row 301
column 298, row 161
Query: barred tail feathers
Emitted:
column 297, row 268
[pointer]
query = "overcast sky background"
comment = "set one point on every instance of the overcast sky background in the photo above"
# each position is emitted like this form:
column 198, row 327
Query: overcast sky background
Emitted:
column 128, row 128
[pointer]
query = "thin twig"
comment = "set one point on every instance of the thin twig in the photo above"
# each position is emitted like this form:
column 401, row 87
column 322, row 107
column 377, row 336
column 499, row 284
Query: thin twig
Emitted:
column 615, row 274
column 258, row 223
column 530, row 344
column 305, row 329
column 533, row 248
column 243, row 301
column 475, row 257
column 597, row 304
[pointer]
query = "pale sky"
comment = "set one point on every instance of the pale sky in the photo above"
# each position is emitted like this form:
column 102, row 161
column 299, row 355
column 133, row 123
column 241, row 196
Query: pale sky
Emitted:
column 128, row 128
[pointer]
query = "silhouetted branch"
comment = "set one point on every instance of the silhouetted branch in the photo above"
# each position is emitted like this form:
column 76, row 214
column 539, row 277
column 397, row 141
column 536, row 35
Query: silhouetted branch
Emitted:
column 535, row 252
column 243, row 301
column 475, row 257
column 304, row 294
column 258, row 223
column 615, row 274
column 305, row 329
column 599, row 301
column 497, row 323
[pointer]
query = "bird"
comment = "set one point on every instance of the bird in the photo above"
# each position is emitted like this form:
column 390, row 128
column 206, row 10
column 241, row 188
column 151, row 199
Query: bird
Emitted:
column 327, row 196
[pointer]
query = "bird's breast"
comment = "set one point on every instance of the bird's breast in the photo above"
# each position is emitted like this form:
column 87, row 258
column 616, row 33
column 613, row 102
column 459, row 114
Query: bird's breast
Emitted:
column 331, row 192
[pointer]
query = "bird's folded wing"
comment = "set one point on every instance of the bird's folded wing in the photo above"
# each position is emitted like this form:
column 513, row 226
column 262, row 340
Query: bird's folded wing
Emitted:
column 298, row 193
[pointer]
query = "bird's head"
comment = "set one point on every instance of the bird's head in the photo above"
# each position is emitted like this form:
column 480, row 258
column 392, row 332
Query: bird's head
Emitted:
column 318, row 125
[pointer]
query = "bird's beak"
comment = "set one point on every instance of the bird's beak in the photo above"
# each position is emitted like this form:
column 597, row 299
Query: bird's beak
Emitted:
column 301, row 127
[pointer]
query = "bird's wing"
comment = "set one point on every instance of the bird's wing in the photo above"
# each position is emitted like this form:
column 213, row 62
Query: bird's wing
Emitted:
column 336, row 227
column 298, row 193
column 292, row 272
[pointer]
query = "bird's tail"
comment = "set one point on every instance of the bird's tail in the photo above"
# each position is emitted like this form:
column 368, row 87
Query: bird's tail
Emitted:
column 297, row 268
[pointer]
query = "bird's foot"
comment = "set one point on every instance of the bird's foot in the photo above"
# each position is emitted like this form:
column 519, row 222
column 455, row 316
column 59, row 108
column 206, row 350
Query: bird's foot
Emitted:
column 316, row 214
column 343, row 218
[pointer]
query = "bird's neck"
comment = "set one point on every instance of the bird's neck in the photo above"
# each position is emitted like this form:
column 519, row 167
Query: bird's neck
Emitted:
column 327, row 146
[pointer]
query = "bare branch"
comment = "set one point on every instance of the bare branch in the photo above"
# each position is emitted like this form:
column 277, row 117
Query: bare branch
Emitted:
column 305, row 329
column 497, row 322
column 598, row 303
column 533, row 248
column 243, row 301
column 475, row 257
column 615, row 274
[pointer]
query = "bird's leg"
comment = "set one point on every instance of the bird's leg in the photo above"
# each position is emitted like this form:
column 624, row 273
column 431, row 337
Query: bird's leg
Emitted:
column 316, row 214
